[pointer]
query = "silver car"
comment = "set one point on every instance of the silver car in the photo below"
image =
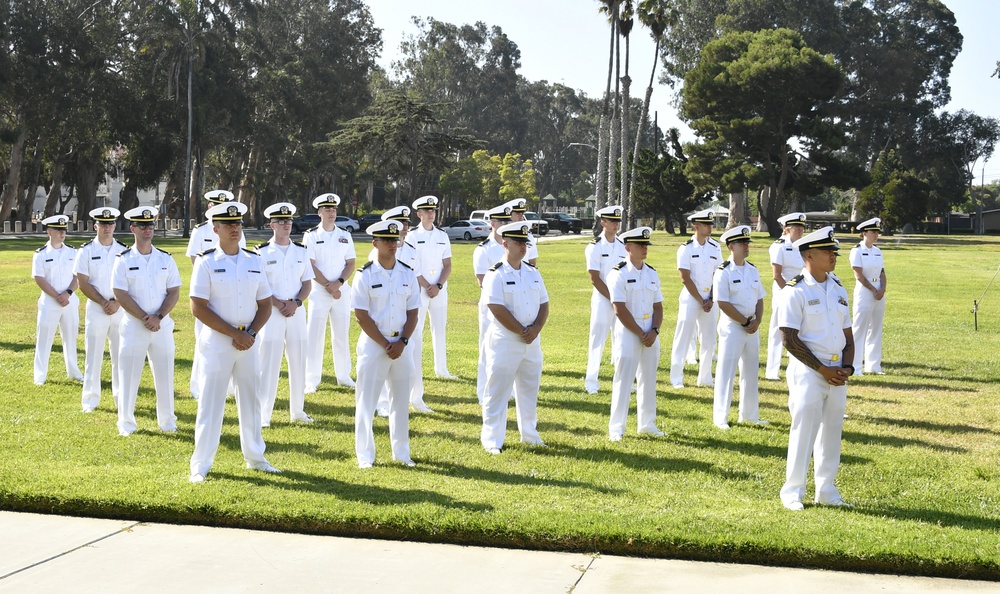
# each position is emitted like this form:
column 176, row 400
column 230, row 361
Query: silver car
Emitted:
column 468, row 229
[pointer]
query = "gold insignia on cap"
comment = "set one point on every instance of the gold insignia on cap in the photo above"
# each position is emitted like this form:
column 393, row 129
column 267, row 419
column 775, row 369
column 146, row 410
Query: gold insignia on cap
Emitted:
column 746, row 232
column 393, row 228
column 645, row 233
column 506, row 210
column 432, row 200
column 233, row 211
column 831, row 233
column 618, row 212
column 524, row 229
column 285, row 210
column 147, row 213
column 106, row 213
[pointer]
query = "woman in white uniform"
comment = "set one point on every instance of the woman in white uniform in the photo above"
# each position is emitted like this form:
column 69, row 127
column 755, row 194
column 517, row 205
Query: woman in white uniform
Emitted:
column 869, row 299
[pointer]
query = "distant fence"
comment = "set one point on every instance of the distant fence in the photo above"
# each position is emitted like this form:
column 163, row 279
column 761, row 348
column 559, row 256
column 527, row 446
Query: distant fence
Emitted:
column 19, row 228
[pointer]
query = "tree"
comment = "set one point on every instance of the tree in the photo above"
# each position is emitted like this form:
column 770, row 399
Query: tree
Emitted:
column 760, row 104
column 895, row 194
column 661, row 184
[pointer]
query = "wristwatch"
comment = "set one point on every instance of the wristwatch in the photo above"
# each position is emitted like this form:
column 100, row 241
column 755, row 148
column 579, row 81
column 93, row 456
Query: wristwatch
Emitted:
column 749, row 320
column 404, row 340
column 252, row 332
column 159, row 315
column 342, row 281
column 297, row 301
column 440, row 286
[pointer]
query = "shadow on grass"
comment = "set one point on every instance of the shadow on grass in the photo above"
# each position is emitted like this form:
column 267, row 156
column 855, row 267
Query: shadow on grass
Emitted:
column 454, row 470
column 896, row 442
column 757, row 449
column 19, row 347
column 929, row 426
column 931, row 516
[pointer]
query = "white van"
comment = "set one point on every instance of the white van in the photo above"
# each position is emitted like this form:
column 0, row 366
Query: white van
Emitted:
column 478, row 215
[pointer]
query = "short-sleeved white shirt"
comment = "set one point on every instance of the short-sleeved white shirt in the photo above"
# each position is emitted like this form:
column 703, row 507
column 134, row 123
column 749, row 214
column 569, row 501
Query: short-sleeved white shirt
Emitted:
column 55, row 265
column 522, row 292
column 486, row 254
column 432, row 248
column 819, row 312
column 329, row 250
column 638, row 288
column 203, row 237
column 286, row 269
column 96, row 261
column 145, row 278
column 602, row 255
column 386, row 295
column 739, row 286
column 786, row 255
column 232, row 285
column 869, row 260
column 701, row 260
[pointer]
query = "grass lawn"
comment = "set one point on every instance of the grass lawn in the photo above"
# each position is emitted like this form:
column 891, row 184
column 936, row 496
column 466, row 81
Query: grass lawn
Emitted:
column 920, row 452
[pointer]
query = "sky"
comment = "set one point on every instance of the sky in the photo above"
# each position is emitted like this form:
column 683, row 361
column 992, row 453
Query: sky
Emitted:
column 566, row 41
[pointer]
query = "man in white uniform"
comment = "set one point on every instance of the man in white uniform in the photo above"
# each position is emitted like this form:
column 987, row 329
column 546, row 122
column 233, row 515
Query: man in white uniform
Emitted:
column 634, row 287
column 815, row 322
column 288, row 270
column 740, row 294
column 697, row 260
column 58, row 307
column 518, row 308
column 869, row 298
column 433, row 266
column 386, row 300
column 94, row 263
column 487, row 253
column 147, row 284
column 601, row 254
column 786, row 264
column 331, row 251
column 203, row 237
column 231, row 297
column 518, row 207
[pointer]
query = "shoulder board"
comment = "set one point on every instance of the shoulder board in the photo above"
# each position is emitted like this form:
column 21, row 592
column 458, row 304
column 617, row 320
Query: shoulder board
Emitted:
column 619, row 265
column 713, row 242
column 206, row 252
column 750, row 263
column 202, row 224
column 795, row 280
column 689, row 241
column 367, row 265
column 70, row 246
column 405, row 265
column 496, row 266
column 122, row 253
column 249, row 251
column 597, row 239
column 412, row 247
column 619, row 240
column 87, row 243
column 164, row 251
column 40, row 249
column 121, row 243
column 724, row 264
column 650, row 267
column 530, row 265
column 298, row 243
column 836, row 279
column 484, row 242
column 261, row 245
column 316, row 228
column 782, row 240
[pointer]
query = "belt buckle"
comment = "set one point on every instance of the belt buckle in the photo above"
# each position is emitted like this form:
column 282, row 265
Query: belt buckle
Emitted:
column 835, row 358
column 241, row 327
column 394, row 334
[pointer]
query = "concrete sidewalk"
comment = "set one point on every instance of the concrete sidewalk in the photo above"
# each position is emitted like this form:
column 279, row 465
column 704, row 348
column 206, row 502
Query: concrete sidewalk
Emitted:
column 57, row 554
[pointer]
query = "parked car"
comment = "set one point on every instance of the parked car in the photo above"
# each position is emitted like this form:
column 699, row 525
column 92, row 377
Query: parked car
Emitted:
column 563, row 222
column 305, row 222
column 467, row 229
column 477, row 215
column 367, row 220
column 348, row 224
column 538, row 226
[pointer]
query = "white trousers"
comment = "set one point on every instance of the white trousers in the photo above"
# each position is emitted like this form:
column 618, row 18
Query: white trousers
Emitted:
column 738, row 350
column 602, row 317
column 281, row 335
column 511, row 364
column 869, row 315
column 414, row 350
column 481, row 370
column 322, row 307
column 633, row 362
column 690, row 318
column 100, row 328
column 220, row 361
column 375, row 368
column 51, row 315
column 195, row 393
column 436, row 310
column 817, row 410
column 136, row 344
column 775, row 344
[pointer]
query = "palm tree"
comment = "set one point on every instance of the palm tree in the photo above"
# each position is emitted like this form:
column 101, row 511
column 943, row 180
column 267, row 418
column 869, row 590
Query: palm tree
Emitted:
column 625, row 22
column 604, row 172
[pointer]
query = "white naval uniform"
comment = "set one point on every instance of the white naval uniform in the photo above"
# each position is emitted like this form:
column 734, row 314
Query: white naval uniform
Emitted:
column 432, row 248
column 782, row 252
column 510, row 362
column 741, row 287
column 330, row 251
column 287, row 269
column 601, row 255
column 701, row 261
column 869, row 313
column 232, row 285
column 203, row 237
column 146, row 280
column 639, row 289
column 407, row 255
column 96, row 261
column 387, row 296
column 56, row 266
column 820, row 313
column 532, row 252
column 489, row 252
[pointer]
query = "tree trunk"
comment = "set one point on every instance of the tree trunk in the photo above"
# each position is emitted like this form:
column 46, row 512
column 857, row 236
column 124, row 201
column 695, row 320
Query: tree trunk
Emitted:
column 27, row 190
column 10, row 188
column 737, row 209
column 52, row 200
column 763, row 202
column 88, row 169
column 129, row 197
column 603, row 135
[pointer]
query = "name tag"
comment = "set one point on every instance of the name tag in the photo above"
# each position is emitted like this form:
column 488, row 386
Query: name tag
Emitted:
column 50, row 260
column 511, row 282
column 134, row 268
column 318, row 242
column 219, row 270
column 814, row 302
column 605, row 255
column 737, row 281
column 253, row 271
column 631, row 280
column 378, row 286
column 695, row 256
column 95, row 257
column 272, row 261
column 421, row 242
